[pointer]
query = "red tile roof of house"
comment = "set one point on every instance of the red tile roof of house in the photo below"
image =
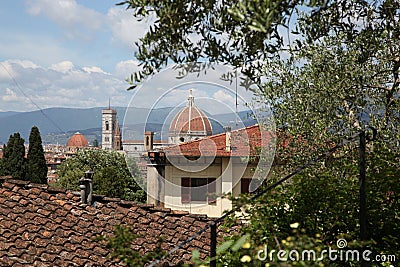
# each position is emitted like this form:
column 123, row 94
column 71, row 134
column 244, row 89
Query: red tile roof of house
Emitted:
column 244, row 142
column 45, row 226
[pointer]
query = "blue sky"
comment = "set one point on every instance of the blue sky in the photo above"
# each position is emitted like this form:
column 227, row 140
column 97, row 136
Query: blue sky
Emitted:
column 65, row 53
column 77, row 53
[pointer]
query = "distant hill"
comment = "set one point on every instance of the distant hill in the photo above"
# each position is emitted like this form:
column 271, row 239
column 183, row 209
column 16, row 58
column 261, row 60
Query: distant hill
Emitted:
column 8, row 113
column 56, row 125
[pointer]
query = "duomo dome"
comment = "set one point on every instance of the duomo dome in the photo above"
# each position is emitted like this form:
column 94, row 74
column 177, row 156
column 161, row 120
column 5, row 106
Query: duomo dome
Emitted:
column 77, row 140
column 189, row 124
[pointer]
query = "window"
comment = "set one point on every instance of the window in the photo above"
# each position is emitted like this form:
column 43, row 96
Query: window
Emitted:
column 198, row 189
column 107, row 126
column 106, row 139
column 245, row 185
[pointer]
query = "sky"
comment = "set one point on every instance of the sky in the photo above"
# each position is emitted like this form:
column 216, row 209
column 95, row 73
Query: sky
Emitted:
column 78, row 53
column 66, row 53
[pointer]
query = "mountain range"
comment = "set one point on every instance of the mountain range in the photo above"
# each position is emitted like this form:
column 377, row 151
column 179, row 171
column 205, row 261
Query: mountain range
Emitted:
column 56, row 125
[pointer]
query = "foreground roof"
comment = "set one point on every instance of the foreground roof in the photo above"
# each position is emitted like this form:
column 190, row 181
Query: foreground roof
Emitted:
column 45, row 226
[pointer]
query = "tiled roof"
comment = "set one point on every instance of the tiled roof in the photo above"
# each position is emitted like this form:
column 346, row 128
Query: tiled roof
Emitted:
column 45, row 226
column 244, row 142
column 78, row 140
column 190, row 119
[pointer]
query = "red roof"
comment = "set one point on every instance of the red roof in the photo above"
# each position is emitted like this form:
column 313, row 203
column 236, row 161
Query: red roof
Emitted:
column 45, row 226
column 244, row 142
column 78, row 140
column 190, row 119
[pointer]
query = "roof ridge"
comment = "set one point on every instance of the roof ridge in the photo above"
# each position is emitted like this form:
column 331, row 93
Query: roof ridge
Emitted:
column 99, row 198
column 213, row 136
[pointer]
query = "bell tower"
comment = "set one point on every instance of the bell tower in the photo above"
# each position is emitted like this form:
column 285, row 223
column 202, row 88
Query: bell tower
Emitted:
column 110, row 131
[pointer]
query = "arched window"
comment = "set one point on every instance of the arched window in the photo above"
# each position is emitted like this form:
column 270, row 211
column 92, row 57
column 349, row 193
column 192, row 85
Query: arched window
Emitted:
column 147, row 141
column 107, row 126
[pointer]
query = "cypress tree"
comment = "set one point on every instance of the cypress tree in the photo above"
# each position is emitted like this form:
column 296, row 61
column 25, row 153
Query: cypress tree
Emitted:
column 14, row 157
column 36, row 169
column 2, row 164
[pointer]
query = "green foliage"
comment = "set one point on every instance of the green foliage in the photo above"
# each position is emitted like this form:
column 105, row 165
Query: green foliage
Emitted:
column 324, row 201
column 121, row 243
column 193, row 33
column 95, row 143
column 2, row 172
column 333, row 72
column 36, row 162
column 14, row 162
column 112, row 177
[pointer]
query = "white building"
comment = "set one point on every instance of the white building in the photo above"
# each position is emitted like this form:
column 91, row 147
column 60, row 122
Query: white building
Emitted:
column 110, row 130
column 193, row 176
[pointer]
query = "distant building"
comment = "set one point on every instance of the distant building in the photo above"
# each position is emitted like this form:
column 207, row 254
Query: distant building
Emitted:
column 110, row 130
column 196, row 174
column 189, row 124
column 76, row 142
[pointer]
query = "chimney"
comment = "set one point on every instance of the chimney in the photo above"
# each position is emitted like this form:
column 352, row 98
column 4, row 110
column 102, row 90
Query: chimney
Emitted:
column 148, row 141
column 86, row 186
column 228, row 138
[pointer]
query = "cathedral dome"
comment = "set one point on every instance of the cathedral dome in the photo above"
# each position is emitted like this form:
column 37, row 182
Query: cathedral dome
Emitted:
column 189, row 124
column 78, row 140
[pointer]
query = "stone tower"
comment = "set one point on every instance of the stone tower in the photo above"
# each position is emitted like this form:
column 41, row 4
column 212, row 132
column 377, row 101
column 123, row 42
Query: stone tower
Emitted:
column 110, row 131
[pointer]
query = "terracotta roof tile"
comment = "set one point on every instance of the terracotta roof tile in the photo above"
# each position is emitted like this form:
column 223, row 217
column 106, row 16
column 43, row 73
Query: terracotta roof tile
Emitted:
column 44, row 226
column 244, row 142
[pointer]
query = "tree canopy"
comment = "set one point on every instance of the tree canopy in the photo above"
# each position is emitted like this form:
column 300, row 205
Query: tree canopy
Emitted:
column 14, row 163
column 36, row 162
column 111, row 174
column 328, row 69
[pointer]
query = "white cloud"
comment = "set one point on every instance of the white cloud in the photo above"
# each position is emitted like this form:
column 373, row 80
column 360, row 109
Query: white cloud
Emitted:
column 222, row 96
column 125, row 68
column 10, row 96
column 60, row 85
column 24, row 63
column 80, row 22
column 78, row 19
column 6, row 71
column 94, row 69
column 63, row 66
column 125, row 28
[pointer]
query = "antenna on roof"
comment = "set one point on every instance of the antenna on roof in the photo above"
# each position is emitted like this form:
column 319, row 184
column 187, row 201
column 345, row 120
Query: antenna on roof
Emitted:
column 236, row 96
column 191, row 98
column 109, row 103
